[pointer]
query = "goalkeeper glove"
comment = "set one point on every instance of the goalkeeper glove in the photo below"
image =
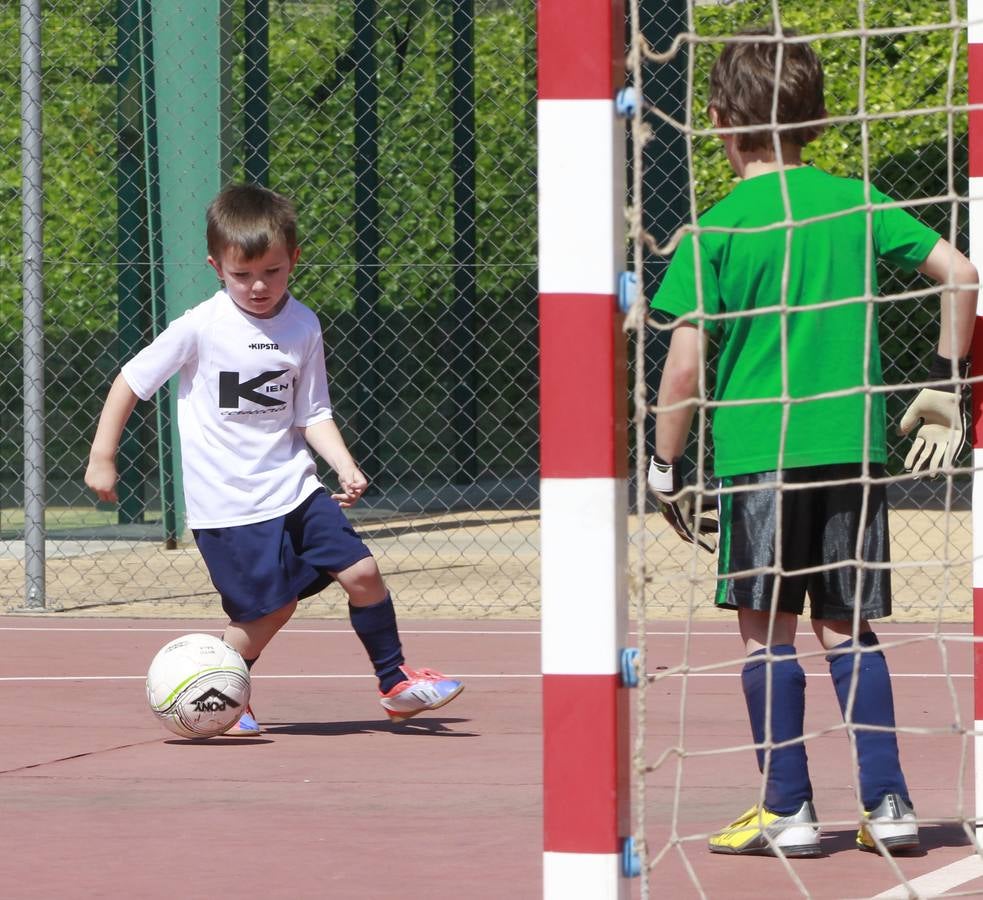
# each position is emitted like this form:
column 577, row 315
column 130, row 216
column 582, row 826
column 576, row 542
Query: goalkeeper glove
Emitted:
column 940, row 416
column 681, row 509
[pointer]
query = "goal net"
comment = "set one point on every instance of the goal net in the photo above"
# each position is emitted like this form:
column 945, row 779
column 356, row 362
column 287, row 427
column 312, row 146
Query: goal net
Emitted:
column 897, row 89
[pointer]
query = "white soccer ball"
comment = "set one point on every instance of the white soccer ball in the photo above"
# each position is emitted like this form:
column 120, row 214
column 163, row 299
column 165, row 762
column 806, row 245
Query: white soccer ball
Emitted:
column 198, row 686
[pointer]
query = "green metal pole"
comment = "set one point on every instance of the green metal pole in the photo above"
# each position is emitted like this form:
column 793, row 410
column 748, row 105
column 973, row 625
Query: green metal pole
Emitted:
column 256, row 102
column 151, row 181
column 665, row 180
column 366, row 221
column 665, row 205
column 465, row 424
column 133, row 270
column 193, row 48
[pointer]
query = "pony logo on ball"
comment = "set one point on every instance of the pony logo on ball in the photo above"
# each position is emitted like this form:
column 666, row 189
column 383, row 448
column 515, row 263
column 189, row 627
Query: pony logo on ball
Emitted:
column 213, row 700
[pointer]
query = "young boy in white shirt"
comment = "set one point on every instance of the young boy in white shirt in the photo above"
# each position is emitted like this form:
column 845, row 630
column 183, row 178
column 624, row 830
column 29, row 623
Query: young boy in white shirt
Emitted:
column 253, row 401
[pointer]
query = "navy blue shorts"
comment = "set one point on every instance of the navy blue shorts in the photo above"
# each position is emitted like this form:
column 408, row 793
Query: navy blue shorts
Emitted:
column 820, row 526
column 261, row 567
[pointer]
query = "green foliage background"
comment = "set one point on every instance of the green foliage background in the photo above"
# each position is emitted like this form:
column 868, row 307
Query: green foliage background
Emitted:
column 312, row 153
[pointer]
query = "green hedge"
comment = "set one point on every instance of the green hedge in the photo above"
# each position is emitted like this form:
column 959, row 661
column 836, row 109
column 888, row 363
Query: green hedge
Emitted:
column 311, row 158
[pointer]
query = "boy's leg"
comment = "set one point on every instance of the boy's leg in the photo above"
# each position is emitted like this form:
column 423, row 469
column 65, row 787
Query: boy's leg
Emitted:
column 405, row 692
column 775, row 693
column 768, row 608
column 373, row 617
column 776, row 710
column 250, row 639
column 860, row 667
column 856, row 508
column 326, row 548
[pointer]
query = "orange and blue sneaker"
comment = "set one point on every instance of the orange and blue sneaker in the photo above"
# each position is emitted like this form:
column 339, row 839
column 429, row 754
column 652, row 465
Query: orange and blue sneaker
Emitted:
column 247, row 724
column 423, row 690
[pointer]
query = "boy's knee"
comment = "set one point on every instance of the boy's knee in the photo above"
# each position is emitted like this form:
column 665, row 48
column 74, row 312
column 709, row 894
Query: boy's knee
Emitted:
column 760, row 629
column 279, row 616
column 832, row 633
column 363, row 582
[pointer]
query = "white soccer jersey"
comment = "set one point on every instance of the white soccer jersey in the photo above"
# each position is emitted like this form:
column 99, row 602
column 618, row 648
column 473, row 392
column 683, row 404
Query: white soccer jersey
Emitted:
column 246, row 386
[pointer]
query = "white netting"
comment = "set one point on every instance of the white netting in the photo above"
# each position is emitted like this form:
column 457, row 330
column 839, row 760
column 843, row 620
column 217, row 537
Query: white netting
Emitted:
column 896, row 95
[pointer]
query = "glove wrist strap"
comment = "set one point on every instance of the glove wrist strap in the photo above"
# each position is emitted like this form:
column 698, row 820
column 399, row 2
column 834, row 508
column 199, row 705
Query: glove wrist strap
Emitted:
column 941, row 369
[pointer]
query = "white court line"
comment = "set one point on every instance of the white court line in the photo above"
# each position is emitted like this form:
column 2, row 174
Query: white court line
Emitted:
column 190, row 627
column 264, row 677
column 456, row 675
column 738, row 674
column 457, row 631
column 935, row 884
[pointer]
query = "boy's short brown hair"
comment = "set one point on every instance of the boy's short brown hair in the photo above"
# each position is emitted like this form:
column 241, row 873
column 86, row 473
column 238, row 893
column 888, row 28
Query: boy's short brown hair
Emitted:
column 252, row 219
column 742, row 85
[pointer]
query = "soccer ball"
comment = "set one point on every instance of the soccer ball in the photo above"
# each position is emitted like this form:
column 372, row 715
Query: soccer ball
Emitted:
column 198, row 686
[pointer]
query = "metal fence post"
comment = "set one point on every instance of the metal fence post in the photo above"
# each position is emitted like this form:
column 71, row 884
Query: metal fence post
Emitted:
column 465, row 425
column 256, row 89
column 33, row 242
column 367, row 238
column 665, row 178
column 133, row 270
column 155, row 256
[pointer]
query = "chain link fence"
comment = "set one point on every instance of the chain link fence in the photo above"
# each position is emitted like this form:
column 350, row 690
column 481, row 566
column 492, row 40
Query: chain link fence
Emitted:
column 405, row 132
column 906, row 65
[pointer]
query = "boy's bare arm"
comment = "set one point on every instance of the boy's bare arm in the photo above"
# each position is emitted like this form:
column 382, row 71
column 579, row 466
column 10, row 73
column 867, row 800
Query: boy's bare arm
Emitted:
column 680, row 383
column 936, row 415
column 101, row 473
column 946, row 265
column 679, row 389
column 326, row 440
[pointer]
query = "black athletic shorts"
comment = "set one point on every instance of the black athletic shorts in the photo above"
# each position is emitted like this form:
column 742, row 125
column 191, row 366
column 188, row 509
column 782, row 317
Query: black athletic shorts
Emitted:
column 819, row 528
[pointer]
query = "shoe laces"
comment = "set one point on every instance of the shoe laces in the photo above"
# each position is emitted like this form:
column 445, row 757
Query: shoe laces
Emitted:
column 423, row 674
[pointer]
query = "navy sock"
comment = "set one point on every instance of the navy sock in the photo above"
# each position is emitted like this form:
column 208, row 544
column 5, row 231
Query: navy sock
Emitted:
column 788, row 784
column 250, row 662
column 376, row 628
column 873, row 704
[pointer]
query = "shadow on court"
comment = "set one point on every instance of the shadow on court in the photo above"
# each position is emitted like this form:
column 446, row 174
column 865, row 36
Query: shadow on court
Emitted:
column 418, row 726
column 933, row 837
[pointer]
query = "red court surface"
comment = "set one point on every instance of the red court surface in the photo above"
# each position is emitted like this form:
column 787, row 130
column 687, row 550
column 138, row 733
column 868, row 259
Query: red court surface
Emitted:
column 715, row 787
column 97, row 800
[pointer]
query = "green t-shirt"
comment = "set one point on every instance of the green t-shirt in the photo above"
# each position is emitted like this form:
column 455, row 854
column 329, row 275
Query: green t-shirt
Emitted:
column 742, row 272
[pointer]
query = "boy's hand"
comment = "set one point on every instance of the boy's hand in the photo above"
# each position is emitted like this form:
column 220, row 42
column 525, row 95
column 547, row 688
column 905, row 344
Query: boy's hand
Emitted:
column 680, row 510
column 941, row 430
column 101, row 477
column 353, row 484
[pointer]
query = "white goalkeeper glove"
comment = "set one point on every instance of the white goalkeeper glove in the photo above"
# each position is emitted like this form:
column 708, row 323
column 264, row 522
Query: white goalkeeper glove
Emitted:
column 681, row 508
column 940, row 416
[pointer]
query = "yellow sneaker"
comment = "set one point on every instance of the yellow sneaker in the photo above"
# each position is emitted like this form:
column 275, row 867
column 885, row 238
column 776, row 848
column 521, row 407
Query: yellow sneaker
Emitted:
column 759, row 831
column 893, row 824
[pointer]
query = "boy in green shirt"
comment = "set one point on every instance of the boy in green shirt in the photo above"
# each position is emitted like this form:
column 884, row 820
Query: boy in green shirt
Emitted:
column 799, row 428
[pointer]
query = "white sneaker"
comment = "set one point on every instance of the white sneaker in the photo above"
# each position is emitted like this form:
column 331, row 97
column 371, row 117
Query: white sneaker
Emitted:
column 892, row 824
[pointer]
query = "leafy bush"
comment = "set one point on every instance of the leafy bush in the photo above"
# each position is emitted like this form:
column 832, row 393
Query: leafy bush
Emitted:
column 312, row 125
